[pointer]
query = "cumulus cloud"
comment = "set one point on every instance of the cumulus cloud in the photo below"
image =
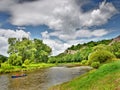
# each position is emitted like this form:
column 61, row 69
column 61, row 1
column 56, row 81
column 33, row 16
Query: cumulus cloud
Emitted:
column 99, row 16
column 58, row 15
column 7, row 33
column 63, row 16
column 82, row 33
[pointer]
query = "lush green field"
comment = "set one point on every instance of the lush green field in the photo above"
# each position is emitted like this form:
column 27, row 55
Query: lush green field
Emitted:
column 6, row 68
column 107, row 77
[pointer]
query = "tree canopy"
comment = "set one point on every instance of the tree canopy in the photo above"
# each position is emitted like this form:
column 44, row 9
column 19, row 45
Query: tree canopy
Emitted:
column 25, row 49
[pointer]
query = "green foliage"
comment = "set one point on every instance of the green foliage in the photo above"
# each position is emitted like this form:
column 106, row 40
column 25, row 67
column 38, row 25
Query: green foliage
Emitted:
column 76, row 57
column 3, row 58
column 100, row 47
column 6, row 66
column 100, row 56
column 67, row 58
column 33, row 50
column 27, row 62
column 116, row 49
column 52, row 59
column 95, row 64
column 89, row 44
column 84, row 52
column 15, row 60
column 84, row 62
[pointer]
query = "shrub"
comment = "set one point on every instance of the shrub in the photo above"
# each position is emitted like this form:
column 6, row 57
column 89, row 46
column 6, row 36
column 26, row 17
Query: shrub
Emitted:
column 24, row 66
column 100, row 56
column 83, row 61
column 95, row 64
column 6, row 66
column 27, row 62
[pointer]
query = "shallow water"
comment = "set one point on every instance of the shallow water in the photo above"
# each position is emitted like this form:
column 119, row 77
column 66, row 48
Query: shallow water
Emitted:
column 41, row 79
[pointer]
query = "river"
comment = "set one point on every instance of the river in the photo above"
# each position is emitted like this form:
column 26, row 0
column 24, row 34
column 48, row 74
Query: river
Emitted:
column 41, row 79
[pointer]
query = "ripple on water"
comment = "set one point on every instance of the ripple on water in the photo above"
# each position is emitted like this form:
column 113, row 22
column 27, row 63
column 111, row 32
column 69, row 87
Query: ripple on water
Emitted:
column 41, row 79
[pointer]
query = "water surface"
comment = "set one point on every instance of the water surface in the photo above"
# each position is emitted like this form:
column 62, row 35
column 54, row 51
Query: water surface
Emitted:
column 41, row 79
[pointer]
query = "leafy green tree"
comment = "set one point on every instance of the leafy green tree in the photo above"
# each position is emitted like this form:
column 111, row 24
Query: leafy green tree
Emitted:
column 33, row 50
column 100, row 47
column 15, row 59
column 100, row 56
column 84, row 52
column 116, row 49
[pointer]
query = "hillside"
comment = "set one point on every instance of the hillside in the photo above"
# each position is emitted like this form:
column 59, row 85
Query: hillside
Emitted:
column 74, row 48
column 107, row 77
column 117, row 39
column 77, row 53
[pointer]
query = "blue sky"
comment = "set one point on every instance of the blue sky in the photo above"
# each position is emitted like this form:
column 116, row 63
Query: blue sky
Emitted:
column 59, row 23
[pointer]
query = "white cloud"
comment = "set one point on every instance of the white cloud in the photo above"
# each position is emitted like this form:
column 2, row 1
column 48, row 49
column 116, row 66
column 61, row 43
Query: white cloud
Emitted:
column 100, row 32
column 77, row 34
column 63, row 16
column 99, row 16
column 59, row 15
column 56, row 45
column 45, row 34
column 7, row 33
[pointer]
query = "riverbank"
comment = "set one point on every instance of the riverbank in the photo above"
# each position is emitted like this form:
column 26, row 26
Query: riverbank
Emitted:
column 8, row 68
column 107, row 77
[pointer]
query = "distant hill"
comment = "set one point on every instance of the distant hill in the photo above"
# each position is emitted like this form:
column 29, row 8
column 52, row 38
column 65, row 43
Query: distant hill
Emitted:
column 79, row 52
column 117, row 39
column 74, row 48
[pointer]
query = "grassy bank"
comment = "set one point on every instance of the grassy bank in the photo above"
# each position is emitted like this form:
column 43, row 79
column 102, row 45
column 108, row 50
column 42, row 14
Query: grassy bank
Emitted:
column 107, row 77
column 8, row 68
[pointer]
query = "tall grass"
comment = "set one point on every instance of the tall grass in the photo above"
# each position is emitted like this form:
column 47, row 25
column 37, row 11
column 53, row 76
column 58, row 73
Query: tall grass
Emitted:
column 7, row 68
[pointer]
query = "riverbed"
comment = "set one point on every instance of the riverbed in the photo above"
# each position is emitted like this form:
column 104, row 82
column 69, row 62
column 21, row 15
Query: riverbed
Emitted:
column 41, row 79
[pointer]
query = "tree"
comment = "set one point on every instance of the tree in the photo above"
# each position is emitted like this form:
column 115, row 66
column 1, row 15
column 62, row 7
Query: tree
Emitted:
column 116, row 49
column 33, row 50
column 100, row 56
column 15, row 59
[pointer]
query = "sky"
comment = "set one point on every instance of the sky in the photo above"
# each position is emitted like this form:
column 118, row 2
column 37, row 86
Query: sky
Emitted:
column 59, row 23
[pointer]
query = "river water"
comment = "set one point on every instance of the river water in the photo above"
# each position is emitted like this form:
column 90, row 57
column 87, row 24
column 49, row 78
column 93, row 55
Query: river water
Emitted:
column 41, row 79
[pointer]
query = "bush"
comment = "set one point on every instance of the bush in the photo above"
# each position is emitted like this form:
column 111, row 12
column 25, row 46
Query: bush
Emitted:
column 83, row 61
column 95, row 64
column 15, row 60
column 6, row 66
column 24, row 66
column 100, row 56
column 27, row 62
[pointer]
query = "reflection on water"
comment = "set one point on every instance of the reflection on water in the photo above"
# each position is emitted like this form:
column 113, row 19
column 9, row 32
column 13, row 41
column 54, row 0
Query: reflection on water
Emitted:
column 41, row 79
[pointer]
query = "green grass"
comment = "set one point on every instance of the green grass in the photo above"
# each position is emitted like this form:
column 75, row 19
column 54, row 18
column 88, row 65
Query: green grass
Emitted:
column 7, row 68
column 72, row 64
column 107, row 77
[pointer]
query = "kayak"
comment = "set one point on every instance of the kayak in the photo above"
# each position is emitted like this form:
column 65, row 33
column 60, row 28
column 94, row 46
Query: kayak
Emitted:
column 17, row 76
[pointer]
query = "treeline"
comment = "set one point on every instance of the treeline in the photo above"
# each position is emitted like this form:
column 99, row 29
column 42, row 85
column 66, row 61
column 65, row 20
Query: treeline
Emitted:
column 91, row 53
column 27, row 51
column 80, row 55
column 89, row 44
